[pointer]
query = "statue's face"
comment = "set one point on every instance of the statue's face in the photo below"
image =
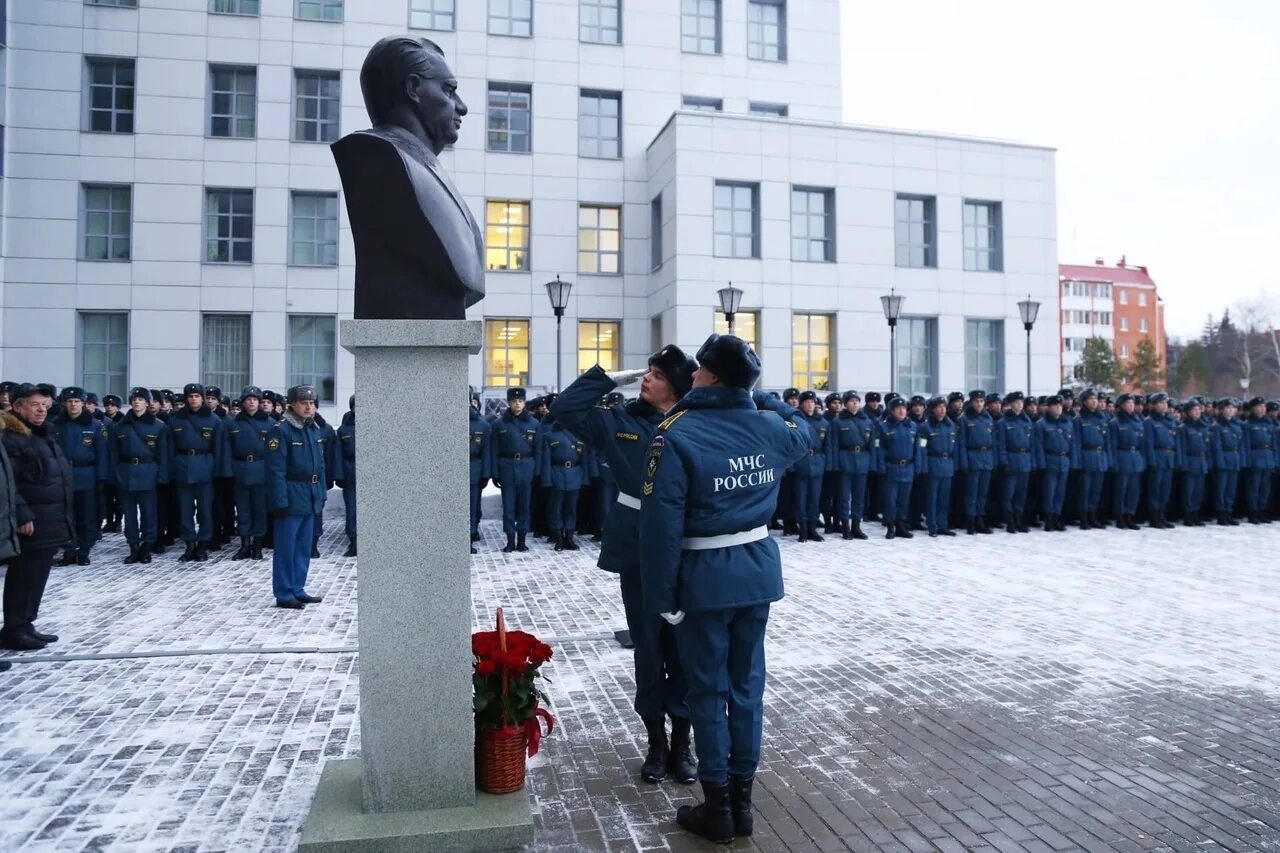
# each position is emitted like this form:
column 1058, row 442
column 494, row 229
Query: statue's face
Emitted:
column 438, row 107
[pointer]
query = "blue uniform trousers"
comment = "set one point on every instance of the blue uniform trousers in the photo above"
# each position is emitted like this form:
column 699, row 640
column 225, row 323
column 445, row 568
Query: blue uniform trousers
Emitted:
column 1014, row 492
column 84, row 512
column 806, row 496
column 608, row 495
column 852, row 496
column 195, row 506
column 135, row 507
column 563, row 512
column 317, row 528
column 516, row 498
column 976, row 484
column 722, row 652
column 1053, row 488
column 937, row 504
column 1159, row 487
column 1192, row 493
column 660, row 683
column 1257, row 490
column 1091, row 490
column 291, row 558
column 251, row 510
column 897, row 500
column 1128, row 484
column 1224, row 490
column 349, row 508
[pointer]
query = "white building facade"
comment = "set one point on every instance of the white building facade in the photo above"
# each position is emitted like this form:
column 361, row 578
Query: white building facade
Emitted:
column 172, row 211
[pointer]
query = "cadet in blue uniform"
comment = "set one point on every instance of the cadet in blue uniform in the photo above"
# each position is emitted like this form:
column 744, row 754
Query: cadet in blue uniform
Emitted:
column 247, row 444
column 1054, row 448
column 83, row 440
column 830, row 494
column 561, row 457
column 347, row 450
column 938, row 434
column 711, row 484
column 1160, row 447
column 513, row 445
column 1273, row 412
column 1092, row 456
column 199, row 456
column 224, row 487
column 976, row 457
column 1260, row 459
column 109, row 503
column 898, row 454
column 1125, row 440
column 140, row 461
column 853, row 448
column 333, row 469
column 1013, row 455
column 808, row 472
column 296, row 483
column 1195, row 459
column 1230, row 457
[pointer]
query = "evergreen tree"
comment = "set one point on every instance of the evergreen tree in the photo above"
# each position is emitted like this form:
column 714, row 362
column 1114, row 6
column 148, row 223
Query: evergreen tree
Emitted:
column 1098, row 364
column 1144, row 367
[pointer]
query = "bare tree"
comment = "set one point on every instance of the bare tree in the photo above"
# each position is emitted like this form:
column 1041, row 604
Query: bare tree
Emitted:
column 1256, row 347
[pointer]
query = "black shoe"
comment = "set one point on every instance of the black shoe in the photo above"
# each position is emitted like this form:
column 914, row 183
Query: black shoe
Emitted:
column 144, row 553
column 311, row 599
column 1021, row 522
column 740, row 806
column 42, row 637
column 903, row 532
column 245, row 551
column 520, row 543
column 23, row 642
column 971, row 526
column 475, row 537
column 710, row 819
column 133, row 556
column 157, row 547
column 315, row 551
column 559, row 540
column 511, row 543
column 654, row 768
column 1010, row 524
column 982, row 524
column 1233, row 521
column 82, row 559
column 290, row 604
column 68, row 559
column 814, row 535
column 890, row 530
column 856, row 526
column 256, row 550
column 946, row 531
column 569, row 544
column 681, row 764
column 351, row 547
column 202, row 553
column 189, row 555
column 5, row 666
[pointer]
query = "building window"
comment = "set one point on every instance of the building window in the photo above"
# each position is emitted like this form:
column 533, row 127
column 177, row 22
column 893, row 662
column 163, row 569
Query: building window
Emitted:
column 506, row 353
column 915, row 231
column 225, row 351
column 600, row 21
column 917, row 355
column 745, row 325
column 1142, row 325
column 510, row 106
column 760, row 108
column 109, row 96
column 700, row 26
column 318, row 10
column 693, row 102
column 984, row 353
column 1104, row 291
column 599, row 239
column 813, row 224
column 982, row 241
column 1142, row 299
column 1124, row 297
column 233, row 7
column 1104, row 318
column 104, row 352
column 1124, row 350
column 229, row 226
column 737, row 220
column 233, row 98
column 313, row 346
column 107, row 223
column 313, row 239
column 1073, row 344
column 1124, row 324
column 317, row 102
column 599, row 124
column 810, row 351
column 599, row 342
column 128, row 4
column 655, row 232
column 511, row 18
column 767, row 29
column 506, row 235
column 431, row 14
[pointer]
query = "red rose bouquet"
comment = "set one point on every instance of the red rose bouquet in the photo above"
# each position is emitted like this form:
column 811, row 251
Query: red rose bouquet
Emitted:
column 505, row 672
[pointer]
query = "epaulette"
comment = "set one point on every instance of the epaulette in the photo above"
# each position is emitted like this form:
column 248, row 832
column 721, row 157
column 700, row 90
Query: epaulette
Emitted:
column 666, row 425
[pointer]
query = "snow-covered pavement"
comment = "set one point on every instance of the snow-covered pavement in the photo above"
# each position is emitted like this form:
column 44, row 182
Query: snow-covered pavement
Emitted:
column 1098, row 690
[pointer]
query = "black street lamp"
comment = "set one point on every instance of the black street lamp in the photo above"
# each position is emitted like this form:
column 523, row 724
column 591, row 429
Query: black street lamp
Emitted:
column 1029, row 309
column 558, row 293
column 730, row 300
column 892, row 305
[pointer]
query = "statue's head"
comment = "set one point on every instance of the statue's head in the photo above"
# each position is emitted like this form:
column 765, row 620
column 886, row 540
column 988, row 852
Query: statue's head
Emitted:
column 406, row 82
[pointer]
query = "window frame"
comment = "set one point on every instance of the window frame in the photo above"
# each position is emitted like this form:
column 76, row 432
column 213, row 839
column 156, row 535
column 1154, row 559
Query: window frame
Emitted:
column 732, row 233
column 701, row 104
column 657, row 255
column 697, row 35
column 1142, row 299
column 293, row 375
column 509, row 18
column 906, row 378
column 974, row 379
column 1124, row 324
column 322, row 76
column 214, row 10
column 994, row 227
column 86, row 94
column 615, row 351
column 809, row 343
column 768, row 109
column 82, row 253
column 323, row 6
column 510, row 88
column 615, row 5
column 762, row 25
column 208, row 192
column 527, row 228
column 491, row 349
column 327, row 195
column 902, row 242
column 103, row 387
column 1143, row 326
column 721, row 325
column 113, row 4
column 828, row 222
column 599, row 96
column 206, row 374
column 599, row 253
column 211, row 93
column 434, row 13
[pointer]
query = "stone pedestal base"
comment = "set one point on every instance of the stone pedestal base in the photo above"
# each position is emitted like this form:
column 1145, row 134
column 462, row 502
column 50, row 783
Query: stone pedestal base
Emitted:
column 339, row 824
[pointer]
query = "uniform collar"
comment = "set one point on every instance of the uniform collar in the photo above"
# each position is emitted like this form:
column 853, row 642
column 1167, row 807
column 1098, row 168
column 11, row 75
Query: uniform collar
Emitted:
column 714, row 397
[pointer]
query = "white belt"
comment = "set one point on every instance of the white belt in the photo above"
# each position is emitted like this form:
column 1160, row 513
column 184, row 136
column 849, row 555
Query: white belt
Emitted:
column 707, row 543
column 628, row 501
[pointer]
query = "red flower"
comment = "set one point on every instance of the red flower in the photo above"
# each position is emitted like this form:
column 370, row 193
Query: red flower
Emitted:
column 486, row 667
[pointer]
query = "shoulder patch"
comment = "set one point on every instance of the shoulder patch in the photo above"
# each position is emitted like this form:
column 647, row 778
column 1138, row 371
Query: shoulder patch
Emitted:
column 273, row 444
column 665, row 425
column 791, row 424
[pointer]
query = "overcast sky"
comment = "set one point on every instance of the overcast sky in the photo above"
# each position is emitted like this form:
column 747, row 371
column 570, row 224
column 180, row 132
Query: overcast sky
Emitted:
column 1165, row 114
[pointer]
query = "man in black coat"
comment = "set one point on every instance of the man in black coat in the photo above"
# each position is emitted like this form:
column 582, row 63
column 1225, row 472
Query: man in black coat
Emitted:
column 44, row 482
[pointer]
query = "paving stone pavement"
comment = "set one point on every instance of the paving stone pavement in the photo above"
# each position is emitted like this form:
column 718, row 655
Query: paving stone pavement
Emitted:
column 1099, row 691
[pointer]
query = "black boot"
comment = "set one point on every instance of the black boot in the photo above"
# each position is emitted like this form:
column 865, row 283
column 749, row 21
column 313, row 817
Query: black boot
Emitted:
column 144, row 553
column 890, row 530
column 20, row 642
column 681, row 764
column 520, row 544
column 846, row 531
column 740, row 805
column 351, row 547
column 971, row 524
column 255, row 547
column 511, row 543
column 133, row 556
column 710, row 819
column 189, row 554
column 982, row 524
column 569, row 544
column 68, row 558
column 1010, row 524
column 857, row 530
column 1021, row 522
column 245, row 551
column 157, row 547
column 904, row 532
column 814, row 535
column 946, row 531
column 475, row 537
column 654, row 768
column 1232, row 520
column 315, row 550
column 559, row 540
column 202, row 552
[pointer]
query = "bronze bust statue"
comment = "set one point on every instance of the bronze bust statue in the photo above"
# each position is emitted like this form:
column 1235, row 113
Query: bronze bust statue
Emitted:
column 419, row 252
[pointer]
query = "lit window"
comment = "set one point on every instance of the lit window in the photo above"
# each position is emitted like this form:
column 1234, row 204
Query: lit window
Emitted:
column 599, row 342
column 745, row 325
column 507, row 235
column 810, row 351
column 599, row 239
column 506, row 353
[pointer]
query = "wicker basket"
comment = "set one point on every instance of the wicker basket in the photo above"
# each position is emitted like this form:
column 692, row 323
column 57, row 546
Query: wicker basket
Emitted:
column 500, row 759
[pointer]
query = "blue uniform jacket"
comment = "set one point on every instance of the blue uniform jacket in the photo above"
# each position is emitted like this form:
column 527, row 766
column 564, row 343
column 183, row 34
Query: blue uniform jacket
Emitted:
column 247, row 441
column 1014, row 442
column 854, row 442
column 976, row 442
column 818, row 460
column 899, row 451
column 1052, row 445
column 939, row 446
column 477, row 443
column 85, row 442
column 513, row 448
column 1229, row 448
column 1260, row 443
column 1160, row 442
column 1092, row 449
column 140, row 452
column 296, row 474
column 347, row 447
column 713, row 468
column 1195, row 446
column 332, row 453
column 199, row 444
column 1125, row 437
column 562, row 457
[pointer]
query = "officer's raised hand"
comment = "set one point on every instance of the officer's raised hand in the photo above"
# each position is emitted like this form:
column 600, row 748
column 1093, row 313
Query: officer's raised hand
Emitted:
column 626, row 377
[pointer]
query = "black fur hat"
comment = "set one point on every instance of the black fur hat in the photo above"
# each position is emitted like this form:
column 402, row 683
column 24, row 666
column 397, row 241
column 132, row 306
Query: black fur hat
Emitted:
column 731, row 360
column 676, row 366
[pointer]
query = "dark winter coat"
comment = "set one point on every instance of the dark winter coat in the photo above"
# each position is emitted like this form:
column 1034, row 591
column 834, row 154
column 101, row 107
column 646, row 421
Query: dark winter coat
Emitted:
column 43, row 479
column 8, row 505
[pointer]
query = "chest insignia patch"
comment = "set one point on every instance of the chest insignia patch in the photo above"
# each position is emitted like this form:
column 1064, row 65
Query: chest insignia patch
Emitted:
column 273, row 444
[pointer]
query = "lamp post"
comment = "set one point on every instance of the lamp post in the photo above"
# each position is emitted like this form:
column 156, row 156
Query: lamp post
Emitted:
column 1029, row 309
column 730, row 299
column 892, row 305
column 558, row 293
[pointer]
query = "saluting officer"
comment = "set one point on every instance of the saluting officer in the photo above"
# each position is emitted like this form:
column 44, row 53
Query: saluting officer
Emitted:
column 347, row 450
column 199, row 456
column 513, row 447
column 711, row 568
column 1054, row 448
column 84, row 442
column 1125, row 437
column 853, row 439
column 140, row 461
column 1160, row 445
column 808, row 472
column 561, row 457
column 1230, row 456
column 1195, row 459
column 247, row 440
column 296, row 483
column 1093, row 457
column 1260, row 454
column 1013, row 456
column 976, row 455
column 607, row 493
column 898, row 454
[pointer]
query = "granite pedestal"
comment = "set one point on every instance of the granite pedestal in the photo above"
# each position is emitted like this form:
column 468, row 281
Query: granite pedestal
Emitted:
column 413, row 787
